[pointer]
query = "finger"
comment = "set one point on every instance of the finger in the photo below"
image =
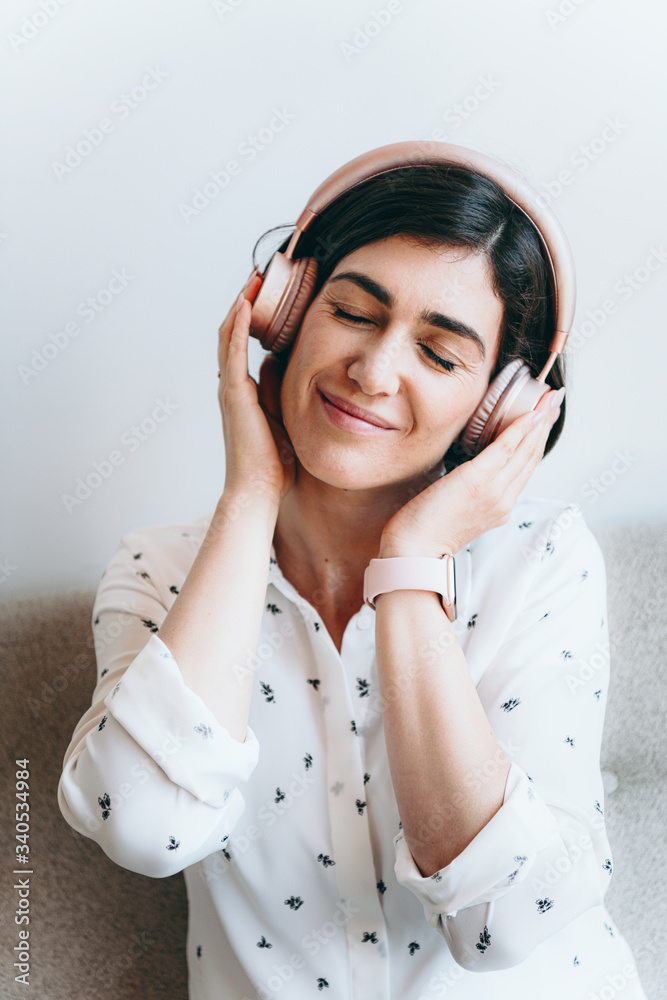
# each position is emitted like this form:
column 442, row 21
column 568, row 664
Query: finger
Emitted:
column 252, row 286
column 250, row 291
column 493, row 459
column 526, row 444
column 237, row 354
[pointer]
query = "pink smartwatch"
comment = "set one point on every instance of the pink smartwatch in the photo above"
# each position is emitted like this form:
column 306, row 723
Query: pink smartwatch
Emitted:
column 413, row 573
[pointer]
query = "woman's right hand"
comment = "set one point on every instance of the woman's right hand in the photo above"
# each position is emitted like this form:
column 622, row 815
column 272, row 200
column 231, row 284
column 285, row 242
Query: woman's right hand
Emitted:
column 258, row 452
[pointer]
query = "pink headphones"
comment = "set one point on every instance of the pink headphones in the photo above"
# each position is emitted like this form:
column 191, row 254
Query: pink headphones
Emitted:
column 287, row 284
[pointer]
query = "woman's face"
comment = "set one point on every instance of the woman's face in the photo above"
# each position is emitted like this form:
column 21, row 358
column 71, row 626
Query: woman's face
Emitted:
column 411, row 303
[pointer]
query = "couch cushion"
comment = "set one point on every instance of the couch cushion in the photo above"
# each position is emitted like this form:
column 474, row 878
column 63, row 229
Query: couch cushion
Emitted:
column 95, row 928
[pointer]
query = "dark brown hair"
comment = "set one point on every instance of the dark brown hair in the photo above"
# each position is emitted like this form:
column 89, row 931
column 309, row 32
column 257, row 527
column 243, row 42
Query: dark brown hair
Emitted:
column 450, row 207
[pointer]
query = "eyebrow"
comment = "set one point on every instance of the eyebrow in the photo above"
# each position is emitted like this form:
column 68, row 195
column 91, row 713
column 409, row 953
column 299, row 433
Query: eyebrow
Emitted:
column 384, row 296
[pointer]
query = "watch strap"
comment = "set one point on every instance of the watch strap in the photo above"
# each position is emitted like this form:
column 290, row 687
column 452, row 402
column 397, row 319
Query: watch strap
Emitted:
column 413, row 573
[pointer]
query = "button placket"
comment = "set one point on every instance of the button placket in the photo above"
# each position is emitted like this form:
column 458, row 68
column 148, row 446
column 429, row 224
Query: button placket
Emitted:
column 350, row 833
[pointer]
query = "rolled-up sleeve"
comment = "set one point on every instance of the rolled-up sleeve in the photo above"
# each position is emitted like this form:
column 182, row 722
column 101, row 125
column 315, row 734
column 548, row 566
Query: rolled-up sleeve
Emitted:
column 150, row 774
column 544, row 857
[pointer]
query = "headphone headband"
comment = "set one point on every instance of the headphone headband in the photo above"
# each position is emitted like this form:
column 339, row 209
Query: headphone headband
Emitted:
column 417, row 153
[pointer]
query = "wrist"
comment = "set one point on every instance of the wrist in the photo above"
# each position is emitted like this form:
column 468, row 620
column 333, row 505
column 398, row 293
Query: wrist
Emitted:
column 243, row 505
column 397, row 569
column 391, row 548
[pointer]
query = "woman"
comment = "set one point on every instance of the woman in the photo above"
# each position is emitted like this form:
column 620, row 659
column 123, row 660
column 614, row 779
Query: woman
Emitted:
column 374, row 792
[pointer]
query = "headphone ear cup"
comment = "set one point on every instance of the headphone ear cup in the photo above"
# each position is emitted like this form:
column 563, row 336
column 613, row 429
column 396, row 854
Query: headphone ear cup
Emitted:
column 512, row 393
column 292, row 309
column 280, row 304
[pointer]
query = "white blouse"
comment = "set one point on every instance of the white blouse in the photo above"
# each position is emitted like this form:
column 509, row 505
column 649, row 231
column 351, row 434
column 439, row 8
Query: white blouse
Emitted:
column 298, row 876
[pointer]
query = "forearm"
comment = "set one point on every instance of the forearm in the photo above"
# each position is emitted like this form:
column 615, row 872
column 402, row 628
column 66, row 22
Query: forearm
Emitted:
column 437, row 733
column 213, row 626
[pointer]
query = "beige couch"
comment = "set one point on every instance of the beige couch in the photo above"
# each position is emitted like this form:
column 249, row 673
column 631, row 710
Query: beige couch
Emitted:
column 98, row 930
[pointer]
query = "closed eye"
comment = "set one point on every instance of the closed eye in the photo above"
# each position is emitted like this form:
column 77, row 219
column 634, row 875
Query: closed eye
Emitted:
column 355, row 319
column 442, row 362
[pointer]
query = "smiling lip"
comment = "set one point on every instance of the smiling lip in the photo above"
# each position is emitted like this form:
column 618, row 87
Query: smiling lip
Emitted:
column 356, row 411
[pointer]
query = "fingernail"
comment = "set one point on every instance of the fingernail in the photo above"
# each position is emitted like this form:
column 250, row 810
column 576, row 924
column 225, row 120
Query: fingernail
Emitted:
column 240, row 301
column 536, row 417
column 253, row 274
column 557, row 398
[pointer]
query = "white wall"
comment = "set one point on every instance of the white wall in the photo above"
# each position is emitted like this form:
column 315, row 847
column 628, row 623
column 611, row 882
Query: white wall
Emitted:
column 553, row 82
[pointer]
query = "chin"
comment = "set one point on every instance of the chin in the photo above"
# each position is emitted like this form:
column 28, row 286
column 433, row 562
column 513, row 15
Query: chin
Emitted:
column 343, row 469
column 343, row 474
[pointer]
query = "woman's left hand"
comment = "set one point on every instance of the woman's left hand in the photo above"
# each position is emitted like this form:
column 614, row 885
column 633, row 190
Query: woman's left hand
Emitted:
column 476, row 496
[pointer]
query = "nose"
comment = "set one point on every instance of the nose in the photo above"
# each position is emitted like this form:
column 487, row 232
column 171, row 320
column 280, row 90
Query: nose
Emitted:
column 375, row 369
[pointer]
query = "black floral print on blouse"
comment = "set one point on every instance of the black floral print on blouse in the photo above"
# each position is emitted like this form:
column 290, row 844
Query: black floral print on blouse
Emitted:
column 267, row 691
column 484, row 940
column 294, row 902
